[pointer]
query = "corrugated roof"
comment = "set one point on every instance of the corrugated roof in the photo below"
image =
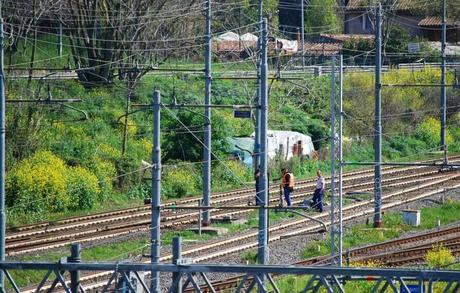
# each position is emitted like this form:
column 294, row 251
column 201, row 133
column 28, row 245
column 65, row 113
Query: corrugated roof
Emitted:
column 360, row 4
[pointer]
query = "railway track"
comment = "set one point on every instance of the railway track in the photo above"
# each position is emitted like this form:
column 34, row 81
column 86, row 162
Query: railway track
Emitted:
column 215, row 249
column 102, row 226
column 399, row 252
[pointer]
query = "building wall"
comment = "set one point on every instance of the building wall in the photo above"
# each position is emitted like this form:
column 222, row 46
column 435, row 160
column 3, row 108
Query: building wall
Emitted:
column 360, row 23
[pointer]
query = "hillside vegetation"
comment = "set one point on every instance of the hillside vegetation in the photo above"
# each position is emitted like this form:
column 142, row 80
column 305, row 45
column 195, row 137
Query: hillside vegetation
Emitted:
column 59, row 164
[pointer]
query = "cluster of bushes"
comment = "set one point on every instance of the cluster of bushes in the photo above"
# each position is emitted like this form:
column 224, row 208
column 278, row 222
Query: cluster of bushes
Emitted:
column 44, row 183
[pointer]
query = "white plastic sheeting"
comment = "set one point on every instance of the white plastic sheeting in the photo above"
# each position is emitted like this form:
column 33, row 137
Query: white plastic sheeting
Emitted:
column 288, row 144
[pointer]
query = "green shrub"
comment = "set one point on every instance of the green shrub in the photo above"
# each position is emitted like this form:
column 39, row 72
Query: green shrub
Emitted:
column 232, row 173
column 38, row 184
column 128, row 172
column 82, row 187
column 179, row 181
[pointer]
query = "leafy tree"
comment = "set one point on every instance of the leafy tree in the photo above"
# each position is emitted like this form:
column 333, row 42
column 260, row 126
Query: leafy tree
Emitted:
column 398, row 39
column 322, row 16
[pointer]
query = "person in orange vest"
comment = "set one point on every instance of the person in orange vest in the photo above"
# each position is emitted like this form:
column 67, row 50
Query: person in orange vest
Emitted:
column 319, row 192
column 287, row 186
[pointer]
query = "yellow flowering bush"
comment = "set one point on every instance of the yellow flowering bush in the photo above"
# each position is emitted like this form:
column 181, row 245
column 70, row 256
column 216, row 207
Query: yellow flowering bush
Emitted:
column 429, row 131
column 38, row 184
column 105, row 172
column 439, row 257
column 43, row 183
column 83, row 188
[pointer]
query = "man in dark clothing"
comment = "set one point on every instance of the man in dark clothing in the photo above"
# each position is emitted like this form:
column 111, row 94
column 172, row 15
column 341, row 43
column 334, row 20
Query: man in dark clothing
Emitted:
column 319, row 192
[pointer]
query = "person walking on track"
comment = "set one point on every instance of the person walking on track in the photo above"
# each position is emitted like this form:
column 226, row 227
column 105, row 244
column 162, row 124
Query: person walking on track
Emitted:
column 287, row 186
column 319, row 192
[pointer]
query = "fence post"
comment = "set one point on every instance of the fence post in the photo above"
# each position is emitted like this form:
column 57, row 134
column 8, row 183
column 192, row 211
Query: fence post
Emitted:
column 177, row 254
column 74, row 275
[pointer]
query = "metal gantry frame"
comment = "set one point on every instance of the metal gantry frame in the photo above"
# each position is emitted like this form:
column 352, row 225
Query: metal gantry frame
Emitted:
column 195, row 276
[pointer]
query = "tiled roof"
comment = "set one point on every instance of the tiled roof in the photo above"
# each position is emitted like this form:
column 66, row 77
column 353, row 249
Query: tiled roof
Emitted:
column 346, row 37
column 430, row 21
column 435, row 21
column 325, row 49
column 400, row 4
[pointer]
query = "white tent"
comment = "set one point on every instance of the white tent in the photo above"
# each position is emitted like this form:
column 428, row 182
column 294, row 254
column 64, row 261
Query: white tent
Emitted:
column 288, row 144
column 228, row 36
column 248, row 37
column 288, row 45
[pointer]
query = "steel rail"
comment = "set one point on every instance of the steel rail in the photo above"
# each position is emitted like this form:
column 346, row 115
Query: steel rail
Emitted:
column 352, row 214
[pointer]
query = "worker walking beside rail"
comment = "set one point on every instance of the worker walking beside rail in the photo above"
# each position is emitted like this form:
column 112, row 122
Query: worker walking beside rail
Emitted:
column 319, row 192
column 287, row 186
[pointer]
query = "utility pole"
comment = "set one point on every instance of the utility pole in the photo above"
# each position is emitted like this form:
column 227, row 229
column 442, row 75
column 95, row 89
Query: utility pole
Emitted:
column 263, row 215
column 156, row 194
column 302, row 31
column 207, row 114
column 2, row 156
column 332, row 211
column 340, row 214
column 378, row 119
column 443, row 100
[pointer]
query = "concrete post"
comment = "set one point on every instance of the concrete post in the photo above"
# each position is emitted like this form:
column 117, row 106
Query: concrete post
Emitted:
column 378, row 119
column 156, row 194
column 207, row 113
column 74, row 275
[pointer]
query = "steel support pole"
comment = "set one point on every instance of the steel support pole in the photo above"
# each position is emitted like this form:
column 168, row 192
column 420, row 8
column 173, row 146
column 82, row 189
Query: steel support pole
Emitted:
column 302, row 32
column 2, row 156
column 378, row 119
column 332, row 211
column 340, row 215
column 443, row 100
column 177, row 254
column 74, row 275
column 263, row 216
column 256, row 157
column 207, row 114
column 156, row 194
